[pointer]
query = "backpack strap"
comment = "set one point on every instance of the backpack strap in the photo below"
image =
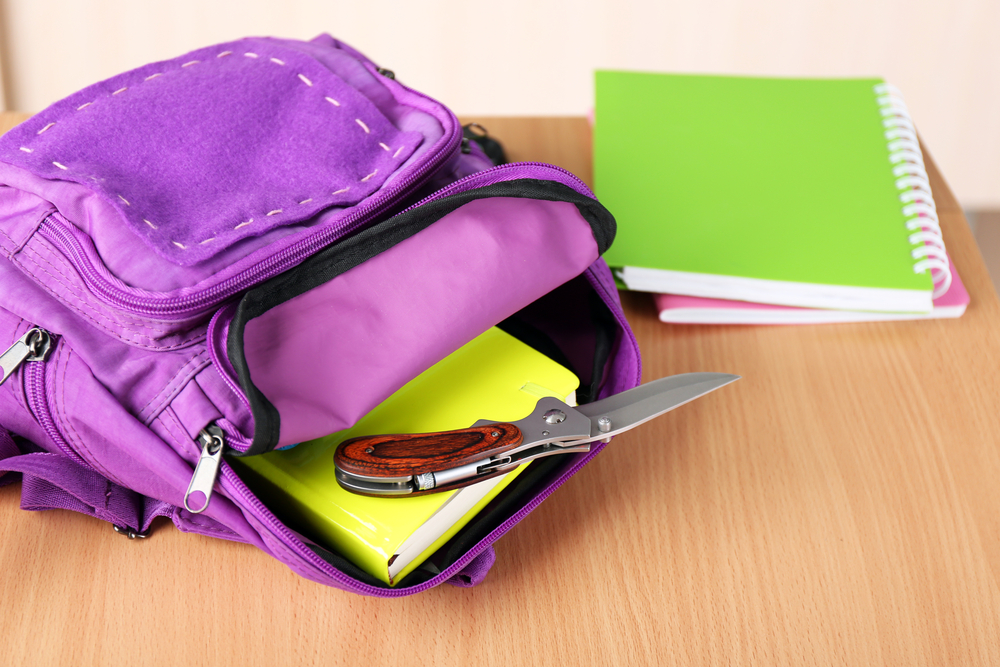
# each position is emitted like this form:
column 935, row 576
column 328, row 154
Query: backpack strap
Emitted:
column 52, row 481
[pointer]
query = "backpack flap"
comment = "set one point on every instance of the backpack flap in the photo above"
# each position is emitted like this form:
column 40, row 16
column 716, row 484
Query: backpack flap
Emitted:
column 169, row 188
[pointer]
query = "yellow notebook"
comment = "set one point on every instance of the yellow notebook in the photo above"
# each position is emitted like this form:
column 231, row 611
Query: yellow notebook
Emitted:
column 493, row 377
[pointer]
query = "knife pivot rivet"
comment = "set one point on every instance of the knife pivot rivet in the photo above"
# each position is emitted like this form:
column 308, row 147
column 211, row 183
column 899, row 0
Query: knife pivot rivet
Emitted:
column 604, row 424
column 495, row 434
column 545, row 434
column 370, row 450
column 554, row 417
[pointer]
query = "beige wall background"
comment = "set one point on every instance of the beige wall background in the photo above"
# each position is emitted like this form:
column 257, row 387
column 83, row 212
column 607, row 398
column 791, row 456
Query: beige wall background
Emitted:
column 536, row 57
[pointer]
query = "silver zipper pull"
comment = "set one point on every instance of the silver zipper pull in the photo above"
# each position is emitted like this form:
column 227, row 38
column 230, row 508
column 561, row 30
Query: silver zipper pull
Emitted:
column 207, row 469
column 32, row 346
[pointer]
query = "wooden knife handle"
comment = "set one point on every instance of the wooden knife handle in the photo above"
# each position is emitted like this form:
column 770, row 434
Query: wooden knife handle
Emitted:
column 416, row 453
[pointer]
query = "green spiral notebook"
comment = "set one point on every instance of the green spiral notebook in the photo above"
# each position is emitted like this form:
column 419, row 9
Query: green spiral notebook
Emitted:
column 798, row 192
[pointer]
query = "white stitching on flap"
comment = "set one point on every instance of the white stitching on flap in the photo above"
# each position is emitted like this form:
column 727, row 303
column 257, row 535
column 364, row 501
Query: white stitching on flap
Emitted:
column 248, row 54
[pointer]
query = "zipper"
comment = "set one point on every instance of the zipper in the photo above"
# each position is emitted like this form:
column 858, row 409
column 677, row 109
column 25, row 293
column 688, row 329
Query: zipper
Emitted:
column 188, row 304
column 262, row 513
column 501, row 173
column 206, row 471
column 34, row 345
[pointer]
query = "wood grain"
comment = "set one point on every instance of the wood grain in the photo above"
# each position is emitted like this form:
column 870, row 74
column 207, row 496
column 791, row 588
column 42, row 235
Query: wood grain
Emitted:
column 404, row 455
column 838, row 505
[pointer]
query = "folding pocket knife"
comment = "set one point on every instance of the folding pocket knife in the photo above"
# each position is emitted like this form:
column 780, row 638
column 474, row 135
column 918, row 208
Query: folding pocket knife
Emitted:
column 418, row 463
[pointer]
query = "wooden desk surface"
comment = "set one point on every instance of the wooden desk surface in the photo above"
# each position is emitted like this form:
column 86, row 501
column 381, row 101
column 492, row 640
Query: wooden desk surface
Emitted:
column 839, row 505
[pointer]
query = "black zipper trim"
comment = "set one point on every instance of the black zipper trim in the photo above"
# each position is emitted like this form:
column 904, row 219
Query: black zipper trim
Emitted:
column 354, row 250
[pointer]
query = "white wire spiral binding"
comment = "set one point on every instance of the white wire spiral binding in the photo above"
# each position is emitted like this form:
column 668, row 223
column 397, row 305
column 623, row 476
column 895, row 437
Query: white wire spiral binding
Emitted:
column 915, row 188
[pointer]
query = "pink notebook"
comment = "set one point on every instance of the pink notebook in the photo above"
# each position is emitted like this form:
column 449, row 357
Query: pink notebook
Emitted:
column 678, row 309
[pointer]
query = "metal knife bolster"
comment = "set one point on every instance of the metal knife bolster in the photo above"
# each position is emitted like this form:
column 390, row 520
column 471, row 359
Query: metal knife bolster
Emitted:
column 553, row 427
column 549, row 427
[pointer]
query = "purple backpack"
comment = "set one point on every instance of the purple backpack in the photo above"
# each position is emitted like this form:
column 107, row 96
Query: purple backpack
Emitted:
column 253, row 245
